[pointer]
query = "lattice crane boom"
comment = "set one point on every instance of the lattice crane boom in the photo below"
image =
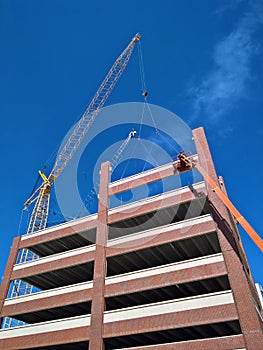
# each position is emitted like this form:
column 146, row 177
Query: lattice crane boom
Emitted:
column 115, row 160
column 93, row 109
column 41, row 196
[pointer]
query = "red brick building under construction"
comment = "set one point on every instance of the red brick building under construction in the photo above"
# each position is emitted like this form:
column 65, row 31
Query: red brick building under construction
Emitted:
column 168, row 272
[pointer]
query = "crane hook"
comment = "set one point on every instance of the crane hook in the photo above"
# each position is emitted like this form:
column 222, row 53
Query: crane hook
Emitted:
column 144, row 94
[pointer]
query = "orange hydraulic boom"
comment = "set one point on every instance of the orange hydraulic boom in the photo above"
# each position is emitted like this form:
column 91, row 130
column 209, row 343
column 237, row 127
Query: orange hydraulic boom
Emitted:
column 186, row 162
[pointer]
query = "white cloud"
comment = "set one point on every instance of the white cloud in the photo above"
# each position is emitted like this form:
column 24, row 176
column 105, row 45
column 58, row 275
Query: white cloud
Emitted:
column 227, row 82
column 227, row 7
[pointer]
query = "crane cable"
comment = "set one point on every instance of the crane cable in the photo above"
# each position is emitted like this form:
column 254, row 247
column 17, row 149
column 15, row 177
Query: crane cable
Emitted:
column 145, row 105
column 93, row 191
column 143, row 84
column 141, row 67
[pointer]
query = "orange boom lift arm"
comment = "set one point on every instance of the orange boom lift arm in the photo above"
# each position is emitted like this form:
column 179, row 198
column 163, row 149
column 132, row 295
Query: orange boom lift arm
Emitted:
column 186, row 162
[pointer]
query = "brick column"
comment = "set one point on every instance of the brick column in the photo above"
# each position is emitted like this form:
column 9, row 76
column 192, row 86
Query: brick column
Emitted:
column 250, row 322
column 98, row 301
column 241, row 249
column 8, row 272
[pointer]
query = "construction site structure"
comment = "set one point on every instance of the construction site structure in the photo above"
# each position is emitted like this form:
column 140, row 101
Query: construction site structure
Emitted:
column 166, row 272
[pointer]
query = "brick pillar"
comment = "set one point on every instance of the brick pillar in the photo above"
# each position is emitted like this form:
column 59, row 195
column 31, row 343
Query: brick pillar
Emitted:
column 8, row 272
column 250, row 322
column 98, row 301
column 241, row 249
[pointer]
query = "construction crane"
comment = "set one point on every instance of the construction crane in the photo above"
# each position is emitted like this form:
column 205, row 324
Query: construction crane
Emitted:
column 114, row 161
column 189, row 163
column 121, row 149
column 41, row 196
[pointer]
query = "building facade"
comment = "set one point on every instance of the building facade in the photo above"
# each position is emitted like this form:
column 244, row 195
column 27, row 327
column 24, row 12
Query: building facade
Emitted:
column 168, row 272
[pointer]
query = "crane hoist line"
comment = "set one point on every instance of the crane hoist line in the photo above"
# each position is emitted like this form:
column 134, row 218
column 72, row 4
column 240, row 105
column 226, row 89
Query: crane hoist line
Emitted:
column 41, row 195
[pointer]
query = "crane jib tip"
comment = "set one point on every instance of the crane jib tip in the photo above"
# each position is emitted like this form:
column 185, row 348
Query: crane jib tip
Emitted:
column 136, row 38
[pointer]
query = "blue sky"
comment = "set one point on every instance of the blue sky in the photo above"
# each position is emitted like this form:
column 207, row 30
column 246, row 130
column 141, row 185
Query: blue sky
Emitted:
column 202, row 61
